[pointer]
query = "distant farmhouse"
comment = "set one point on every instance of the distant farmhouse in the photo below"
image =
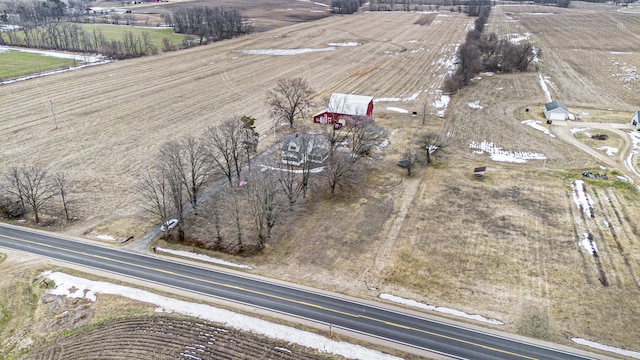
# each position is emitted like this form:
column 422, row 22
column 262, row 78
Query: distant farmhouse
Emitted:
column 556, row 110
column 635, row 119
column 298, row 149
column 346, row 109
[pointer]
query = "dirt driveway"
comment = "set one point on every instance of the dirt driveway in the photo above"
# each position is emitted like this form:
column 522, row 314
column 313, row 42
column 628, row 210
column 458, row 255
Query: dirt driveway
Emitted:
column 563, row 131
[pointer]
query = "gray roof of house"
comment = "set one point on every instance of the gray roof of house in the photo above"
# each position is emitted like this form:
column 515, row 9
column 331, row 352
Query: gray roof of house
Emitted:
column 555, row 105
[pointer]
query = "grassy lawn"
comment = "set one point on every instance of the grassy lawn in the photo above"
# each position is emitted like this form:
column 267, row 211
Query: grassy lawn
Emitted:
column 18, row 63
column 116, row 32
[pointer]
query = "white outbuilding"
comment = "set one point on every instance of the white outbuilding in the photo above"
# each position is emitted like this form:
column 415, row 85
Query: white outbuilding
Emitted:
column 556, row 110
column 635, row 119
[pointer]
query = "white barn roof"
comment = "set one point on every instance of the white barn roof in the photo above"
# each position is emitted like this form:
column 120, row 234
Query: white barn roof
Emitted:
column 349, row 104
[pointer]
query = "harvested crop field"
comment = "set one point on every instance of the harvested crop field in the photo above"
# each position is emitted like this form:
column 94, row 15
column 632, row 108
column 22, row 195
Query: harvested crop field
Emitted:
column 111, row 119
column 155, row 337
column 509, row 247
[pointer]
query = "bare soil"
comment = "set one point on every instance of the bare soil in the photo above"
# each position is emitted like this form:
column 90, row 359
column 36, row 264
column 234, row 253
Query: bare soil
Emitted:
column 505, row 247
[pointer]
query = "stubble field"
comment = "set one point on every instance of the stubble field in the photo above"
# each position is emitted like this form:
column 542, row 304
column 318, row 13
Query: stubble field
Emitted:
column 506, row 247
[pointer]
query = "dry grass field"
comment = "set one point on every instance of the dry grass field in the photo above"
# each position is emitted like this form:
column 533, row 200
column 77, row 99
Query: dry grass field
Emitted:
column 506, row 247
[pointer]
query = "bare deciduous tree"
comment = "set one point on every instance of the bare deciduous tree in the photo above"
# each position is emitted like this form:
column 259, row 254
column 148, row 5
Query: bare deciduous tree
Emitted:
column 63, row 187
column 409, row 159
column 290, row 99
column 157, row 197
column 13, row 181
column 170, row 163
column 36, row 188
column 291, row 182
column 266, row 204
column 226, row 147
column 431, row 143
column 190, row 157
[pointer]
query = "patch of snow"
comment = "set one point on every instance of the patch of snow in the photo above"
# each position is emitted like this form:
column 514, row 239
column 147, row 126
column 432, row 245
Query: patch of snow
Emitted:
column 441, row 103
column 581, row 198
column 536, row 125
column 595, row 345
column 104, row 237
column 540, row 13
column 611, row 151
column 314, row 170
column 411, row 97
column 620, row 52
column 383, row 144
column 588, row 244
column 496, row 153
column 345, row 44
column 201, row 257
column 475, row 105
column 285, row 52
column 577, row 130
column 64, row 283
column 628, row 162
column 283, row 349
column 517, row 38
column 397, row 109
column 440, row 309
column 543, row 85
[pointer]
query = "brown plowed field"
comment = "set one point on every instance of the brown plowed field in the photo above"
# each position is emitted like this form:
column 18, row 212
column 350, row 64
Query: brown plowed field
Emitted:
column 112, row 118
column 163, row 337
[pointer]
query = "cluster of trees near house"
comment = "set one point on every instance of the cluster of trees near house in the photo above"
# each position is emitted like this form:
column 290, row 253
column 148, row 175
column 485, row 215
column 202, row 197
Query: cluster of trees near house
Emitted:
column 244, row 209
column 51, row 24
column 486, row 52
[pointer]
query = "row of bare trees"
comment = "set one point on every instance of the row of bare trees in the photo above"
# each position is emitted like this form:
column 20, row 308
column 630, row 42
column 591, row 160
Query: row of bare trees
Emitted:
column 209, row 24
column 30, row 189
column 183, row 167
column 482, row 52
column 73, row 37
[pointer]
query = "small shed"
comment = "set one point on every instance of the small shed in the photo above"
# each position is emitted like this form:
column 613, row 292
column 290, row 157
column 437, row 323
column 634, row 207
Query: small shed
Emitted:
column 635, row 119
column 479, row 172
column 556, row 110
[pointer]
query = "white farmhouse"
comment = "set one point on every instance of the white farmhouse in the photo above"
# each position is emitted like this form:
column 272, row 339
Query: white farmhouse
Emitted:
column 635, row 119
column 556, row 110
column 298, row 149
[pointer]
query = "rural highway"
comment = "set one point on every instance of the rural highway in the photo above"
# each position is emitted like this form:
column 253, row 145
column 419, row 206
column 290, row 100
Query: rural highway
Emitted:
column 438, row 337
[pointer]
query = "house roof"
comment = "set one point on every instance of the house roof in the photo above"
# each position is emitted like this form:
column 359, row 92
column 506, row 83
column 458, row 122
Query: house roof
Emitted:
column 314, row 142
column 349, row 104
column 555, row 105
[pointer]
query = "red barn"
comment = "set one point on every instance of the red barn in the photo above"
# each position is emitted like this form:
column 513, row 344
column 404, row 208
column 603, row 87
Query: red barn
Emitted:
column 346, row 109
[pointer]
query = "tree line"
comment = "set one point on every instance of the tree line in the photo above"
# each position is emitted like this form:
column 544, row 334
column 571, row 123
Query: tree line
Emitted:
column 72, row 37
column 50, row 24
column 346, row 6
column 208, row 24
column 32, row 189
column 486, row 52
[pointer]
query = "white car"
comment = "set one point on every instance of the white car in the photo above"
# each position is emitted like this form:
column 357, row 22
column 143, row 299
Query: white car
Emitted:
column 170, row 224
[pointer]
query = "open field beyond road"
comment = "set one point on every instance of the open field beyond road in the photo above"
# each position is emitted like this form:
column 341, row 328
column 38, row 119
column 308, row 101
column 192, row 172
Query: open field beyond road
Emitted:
column 507, row 247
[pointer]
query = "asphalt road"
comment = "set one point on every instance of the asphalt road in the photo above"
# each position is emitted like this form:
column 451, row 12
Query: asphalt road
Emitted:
column 375, row 321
